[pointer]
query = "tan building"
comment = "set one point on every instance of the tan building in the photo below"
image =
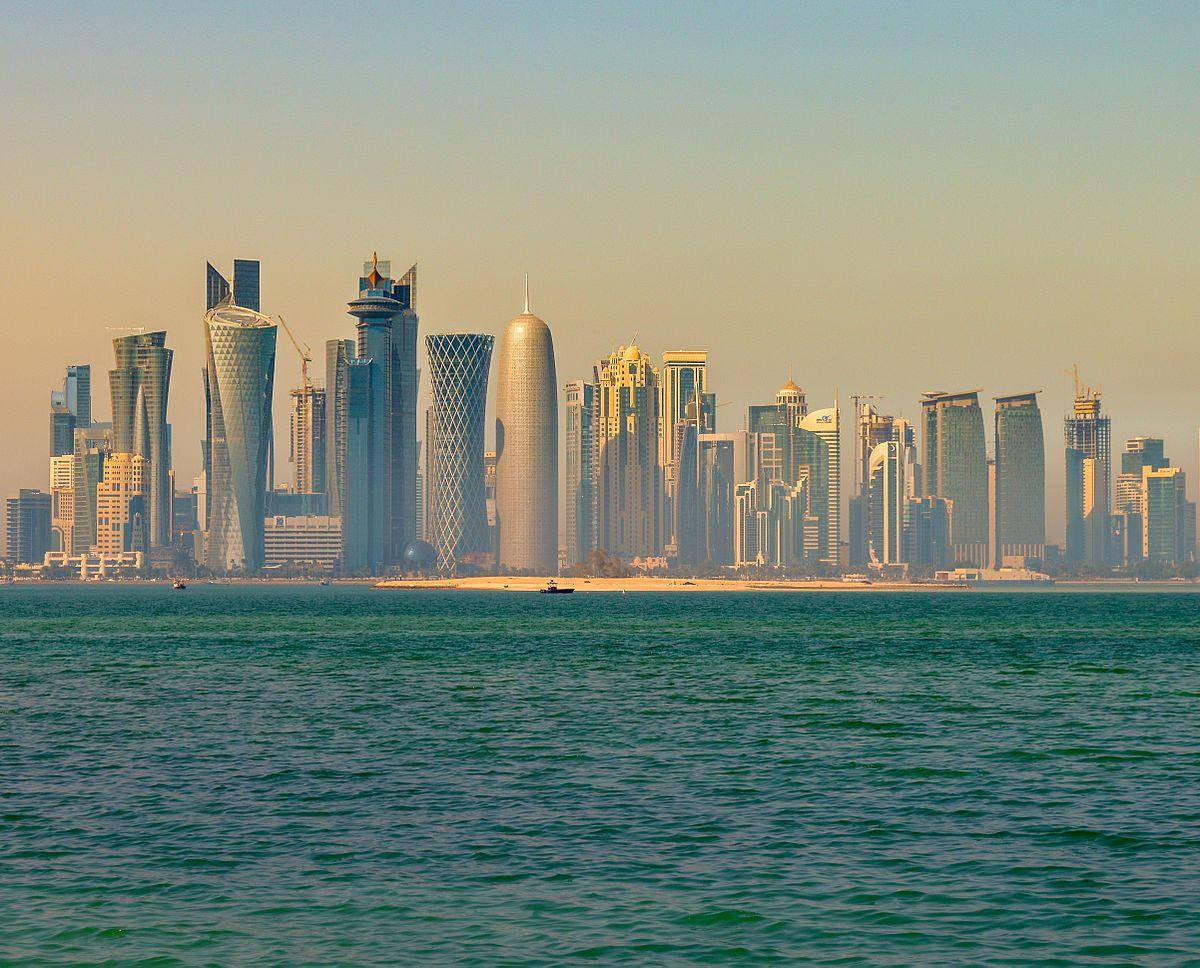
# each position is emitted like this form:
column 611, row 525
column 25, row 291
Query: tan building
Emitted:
column 62, row 502
column 629, row 478
column 307, row 452
column 122, row 514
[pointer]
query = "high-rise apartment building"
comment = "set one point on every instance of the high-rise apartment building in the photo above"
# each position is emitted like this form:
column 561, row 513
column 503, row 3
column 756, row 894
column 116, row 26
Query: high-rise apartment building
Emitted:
column 818, row 448
column 527, row 447
column 28, row 526
column 307, row 449
column 240, row 349
column 122, row 504
column 1020, row 454
column 139, row 385
column 1139, row 453
column 458, row 372
column 628, row 476
column 683, row 384
column 1088, row 437
column 954, row 467
column 889, row 493
column 581, row 517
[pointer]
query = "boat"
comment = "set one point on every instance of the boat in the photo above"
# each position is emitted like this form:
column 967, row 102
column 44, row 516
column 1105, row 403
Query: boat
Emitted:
column 178, row 584
column 553, row 589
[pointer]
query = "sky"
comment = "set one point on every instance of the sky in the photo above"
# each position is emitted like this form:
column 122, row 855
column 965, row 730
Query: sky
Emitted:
column 864, row 197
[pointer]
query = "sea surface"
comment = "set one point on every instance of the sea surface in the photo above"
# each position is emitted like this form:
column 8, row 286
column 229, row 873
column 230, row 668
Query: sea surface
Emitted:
column 290, row 775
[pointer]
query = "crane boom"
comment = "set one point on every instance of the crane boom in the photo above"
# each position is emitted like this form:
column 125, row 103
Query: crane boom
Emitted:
column 301, row 348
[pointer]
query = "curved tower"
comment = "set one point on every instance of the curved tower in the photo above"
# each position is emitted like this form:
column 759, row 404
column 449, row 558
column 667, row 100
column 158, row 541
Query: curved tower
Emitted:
column 527, row 447
column 458, row 371
column 240, row 347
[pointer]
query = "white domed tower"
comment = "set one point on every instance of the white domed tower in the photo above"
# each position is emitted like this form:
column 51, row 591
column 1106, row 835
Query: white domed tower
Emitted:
column 527, row 446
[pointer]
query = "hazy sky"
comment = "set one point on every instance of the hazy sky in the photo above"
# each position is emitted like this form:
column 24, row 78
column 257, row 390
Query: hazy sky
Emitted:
column 879, row 198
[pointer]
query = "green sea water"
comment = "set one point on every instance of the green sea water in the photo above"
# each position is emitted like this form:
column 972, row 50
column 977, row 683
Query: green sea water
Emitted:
column 237, row 775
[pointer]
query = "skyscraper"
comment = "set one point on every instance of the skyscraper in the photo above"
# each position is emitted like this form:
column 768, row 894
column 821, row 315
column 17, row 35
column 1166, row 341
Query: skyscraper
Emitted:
column 62, row 430
column 77, row 393
column 337, row 353
column 62, row 502
column 888, row 472
column 1140, row 452
column 246, row 286
column 240, row 345
column 458, row 371
column 581, row 520
column 139, row 386
column 954, row 465
column 387, row 343
column 28, row 526
column 307, row 450
column 527, row 447
column 1168, row 518
column 1088, row 438
column 628, row 476
column 1020, row 525
column 683, row 380
column 824, row 462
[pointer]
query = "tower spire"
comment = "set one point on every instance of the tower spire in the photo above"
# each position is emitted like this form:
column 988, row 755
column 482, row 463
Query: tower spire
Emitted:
column 527, row 293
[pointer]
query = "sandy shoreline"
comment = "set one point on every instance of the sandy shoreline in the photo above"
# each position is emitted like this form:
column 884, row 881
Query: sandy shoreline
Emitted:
column 511, row 584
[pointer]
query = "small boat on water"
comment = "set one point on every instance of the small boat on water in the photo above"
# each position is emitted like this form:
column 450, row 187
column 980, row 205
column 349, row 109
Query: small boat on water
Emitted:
column 178, row 584
column 553, row 589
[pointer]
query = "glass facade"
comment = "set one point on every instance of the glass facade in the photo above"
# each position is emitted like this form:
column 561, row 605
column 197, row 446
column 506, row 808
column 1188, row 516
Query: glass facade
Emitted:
column 955, row 467
column 1020, row 478
column 1088, row 439
column 458, row 369
column 579, row 404
column 28, row 526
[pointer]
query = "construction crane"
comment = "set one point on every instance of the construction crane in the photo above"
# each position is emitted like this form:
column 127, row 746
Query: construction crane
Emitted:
column 303, row 349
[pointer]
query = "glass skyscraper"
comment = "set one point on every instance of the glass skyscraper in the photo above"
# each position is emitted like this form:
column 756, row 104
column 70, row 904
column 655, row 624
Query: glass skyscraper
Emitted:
column 458, row 370
column 580, row 400
column 954, row 461
column 1088, row 437
column 1020, row 478
column 240, row 346
column 139, row 386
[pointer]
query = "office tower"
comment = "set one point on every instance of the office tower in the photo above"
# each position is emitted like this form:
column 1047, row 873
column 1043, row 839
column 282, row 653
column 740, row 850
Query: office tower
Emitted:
column 387, row 344
column 77, row 393
column 871, row 428
column 337, row 353
column 683, row 380
column 1020, row 518
column 1088, row 438
column 1168, row 518
column 773, row 526
column 362, row 542
column 139, row 386
column 240, row 349
column 818, row 447
column 62, row 430
column 527, row 447
column 122, row 504
column 458, row 370
column 1140, row 452
column 246, row 286
column 62, row 502
column 776, row 425
column 929, row 533
column 307, row 449
column 429, row 475
column 420, row 522
column 954, row 463
column 889, row 491
column 28, row 526
column 715, row 498
column 489, row 503
column 581, row 520
column 629, row 479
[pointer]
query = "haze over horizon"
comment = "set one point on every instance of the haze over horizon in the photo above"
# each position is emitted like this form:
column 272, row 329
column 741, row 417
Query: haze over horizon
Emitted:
column 863, row 198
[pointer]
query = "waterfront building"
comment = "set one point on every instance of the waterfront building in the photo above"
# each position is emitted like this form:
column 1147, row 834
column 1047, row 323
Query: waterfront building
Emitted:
column 302, row 542
column 62, row 430
column 337, row 353
column 420, row 523
column 628, row 477
column 122, row 505
column 387, row 325
column 889, row 493
column 773, row 526
column 527, row 447
column 1088, row 438
column 307, row 440
column 240, row 351
column 818, row 448
column 489, row 503
column 1168, row 518
column 929, row 531
column 954, row 463
column 458, row 370
column 62, row 501
column 1139, row 453
column 715, row 498
column 581, row 520
column 1019, row 523
column 683, row 380
column 27, row 526
column 139, row 385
